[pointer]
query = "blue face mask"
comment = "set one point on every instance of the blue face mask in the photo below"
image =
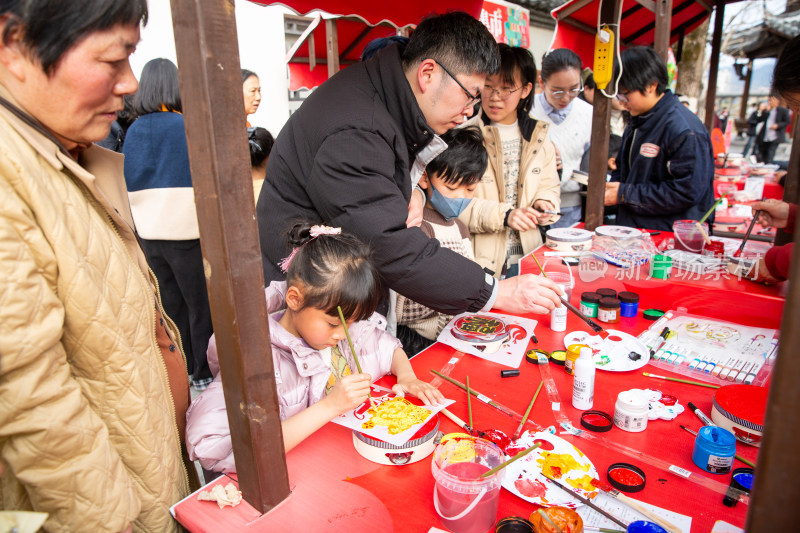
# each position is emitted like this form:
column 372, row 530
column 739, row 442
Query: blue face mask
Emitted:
column 448, row 207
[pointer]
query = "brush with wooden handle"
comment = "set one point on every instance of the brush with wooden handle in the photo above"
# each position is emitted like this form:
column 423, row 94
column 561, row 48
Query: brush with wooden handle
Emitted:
column 638, row 507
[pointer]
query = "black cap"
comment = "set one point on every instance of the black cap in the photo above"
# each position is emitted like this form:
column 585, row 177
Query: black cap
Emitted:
column 628, row 297
column 590, row 297
column 609, row 303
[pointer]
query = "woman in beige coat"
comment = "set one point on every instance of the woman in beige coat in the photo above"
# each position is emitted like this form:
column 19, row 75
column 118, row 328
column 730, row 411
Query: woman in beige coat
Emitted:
column 93, row 385
column 520, row 190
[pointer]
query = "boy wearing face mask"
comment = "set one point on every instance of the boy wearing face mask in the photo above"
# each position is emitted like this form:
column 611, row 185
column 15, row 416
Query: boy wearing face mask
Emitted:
column 449, row 183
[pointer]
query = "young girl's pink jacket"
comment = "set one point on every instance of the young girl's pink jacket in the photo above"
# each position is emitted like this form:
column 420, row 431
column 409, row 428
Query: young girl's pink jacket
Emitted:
column 300, row 374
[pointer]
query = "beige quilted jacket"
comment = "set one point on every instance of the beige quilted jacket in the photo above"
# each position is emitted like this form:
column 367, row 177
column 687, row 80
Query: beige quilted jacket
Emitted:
column 87, row 422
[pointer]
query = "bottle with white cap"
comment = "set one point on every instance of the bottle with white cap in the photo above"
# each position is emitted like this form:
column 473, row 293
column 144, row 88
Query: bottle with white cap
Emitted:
column 583, row 381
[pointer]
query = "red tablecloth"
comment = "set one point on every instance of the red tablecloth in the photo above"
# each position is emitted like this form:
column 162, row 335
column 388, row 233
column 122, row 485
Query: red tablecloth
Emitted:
column 771, row 189
column 335, row 489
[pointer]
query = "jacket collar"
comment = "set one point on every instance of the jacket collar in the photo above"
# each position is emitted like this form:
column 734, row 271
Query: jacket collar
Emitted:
column 526, row 123
column 385, row 71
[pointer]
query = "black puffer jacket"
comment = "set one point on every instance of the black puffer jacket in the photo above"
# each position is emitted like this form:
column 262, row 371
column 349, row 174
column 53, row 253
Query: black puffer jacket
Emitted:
column 343, row 159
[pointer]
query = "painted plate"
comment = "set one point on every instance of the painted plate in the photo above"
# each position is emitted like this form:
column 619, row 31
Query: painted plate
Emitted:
column 558, row 459
column 620, row 352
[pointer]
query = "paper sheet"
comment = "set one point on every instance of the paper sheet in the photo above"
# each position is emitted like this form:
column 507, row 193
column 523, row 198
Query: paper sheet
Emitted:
column 722, row 526
column 628, row 515
column 510, row 353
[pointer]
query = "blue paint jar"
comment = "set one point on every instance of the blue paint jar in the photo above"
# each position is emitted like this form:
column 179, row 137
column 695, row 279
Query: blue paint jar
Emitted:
column 641, row 526
column 714, row 449
column 629, row 303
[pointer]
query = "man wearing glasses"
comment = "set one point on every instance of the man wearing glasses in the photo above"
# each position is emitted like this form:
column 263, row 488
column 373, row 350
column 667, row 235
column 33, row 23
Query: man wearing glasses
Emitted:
column 665, row 166
column 354, row 151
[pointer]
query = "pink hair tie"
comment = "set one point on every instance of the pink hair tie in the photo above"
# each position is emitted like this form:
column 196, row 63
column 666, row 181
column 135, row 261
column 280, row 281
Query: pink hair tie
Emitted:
column 315, row 232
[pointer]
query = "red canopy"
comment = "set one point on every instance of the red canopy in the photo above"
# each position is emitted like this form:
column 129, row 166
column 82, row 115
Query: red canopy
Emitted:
column 357, row 23
column 374, row 12
column 577, row 24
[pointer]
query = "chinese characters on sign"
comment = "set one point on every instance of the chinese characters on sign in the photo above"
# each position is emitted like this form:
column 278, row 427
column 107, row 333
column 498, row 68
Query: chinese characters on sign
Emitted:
column 508, row 23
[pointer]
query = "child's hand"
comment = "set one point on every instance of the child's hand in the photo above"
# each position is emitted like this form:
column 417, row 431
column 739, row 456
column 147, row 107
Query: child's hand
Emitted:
column 348, row 393
column 422, row 390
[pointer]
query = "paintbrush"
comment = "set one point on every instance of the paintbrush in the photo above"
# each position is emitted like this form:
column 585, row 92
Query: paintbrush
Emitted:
column 713, row 207
column 473, row 392
column 678, row 380
column 587, row 527
column 742, row 459
column 587, row 501
column 703, row 232
column 460, row 423
column 504, row 464
column 592, row 324
column 549, row 520
column 518, row 432
column 738, row 252
column 469, row 405
column 636, row 506
column 353, row 350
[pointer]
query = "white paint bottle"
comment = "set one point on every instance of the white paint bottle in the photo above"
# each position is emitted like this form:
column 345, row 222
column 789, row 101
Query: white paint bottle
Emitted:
column 630, row 411
column 583, row 381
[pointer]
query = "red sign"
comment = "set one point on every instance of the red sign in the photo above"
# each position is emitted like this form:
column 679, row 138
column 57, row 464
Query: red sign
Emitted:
column 509, row 23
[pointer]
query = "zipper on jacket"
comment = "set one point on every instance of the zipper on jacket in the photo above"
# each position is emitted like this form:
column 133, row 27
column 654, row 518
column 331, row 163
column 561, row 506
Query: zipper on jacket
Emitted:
column 153, row 338
column 630, row 150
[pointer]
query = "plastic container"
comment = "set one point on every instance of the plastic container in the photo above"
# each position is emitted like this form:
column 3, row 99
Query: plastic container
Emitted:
column 583, row 382
column 609, row 310
column 464, row 501
column 642, row 526
column 513, row 524
column 630, row 412
column 564, row 517
column 715, row 249
column 688, row 236
column 661, row 266
column 629, row 303
column 558, row 316
column 573, row 352
column 714, row 448
column 589, row 301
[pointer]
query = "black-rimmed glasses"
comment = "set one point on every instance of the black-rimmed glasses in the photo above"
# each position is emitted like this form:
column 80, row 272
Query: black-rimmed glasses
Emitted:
column 504, row 93
column 473, row 99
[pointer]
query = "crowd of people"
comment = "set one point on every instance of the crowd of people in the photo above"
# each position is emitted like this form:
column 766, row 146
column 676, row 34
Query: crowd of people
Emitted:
column 402, row 192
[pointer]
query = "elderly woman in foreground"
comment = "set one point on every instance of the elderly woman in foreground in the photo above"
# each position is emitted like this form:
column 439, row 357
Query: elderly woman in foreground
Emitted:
column 93, row 384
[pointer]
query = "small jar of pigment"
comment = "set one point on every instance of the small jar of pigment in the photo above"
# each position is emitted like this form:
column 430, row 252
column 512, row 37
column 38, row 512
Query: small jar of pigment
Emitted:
column 589, row 304
column 629, row 303
column 608, row 310
column 714, row 448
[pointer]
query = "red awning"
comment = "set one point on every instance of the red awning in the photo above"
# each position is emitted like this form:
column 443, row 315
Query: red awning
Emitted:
column 357, row 23
column 577, row 24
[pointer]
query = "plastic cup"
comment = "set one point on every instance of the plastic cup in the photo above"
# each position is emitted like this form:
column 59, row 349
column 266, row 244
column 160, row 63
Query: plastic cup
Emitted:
column 688, row 237
column 464, row 501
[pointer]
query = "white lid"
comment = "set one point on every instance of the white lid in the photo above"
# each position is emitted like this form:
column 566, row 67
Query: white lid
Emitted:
column 569, row 234
column 618, row 232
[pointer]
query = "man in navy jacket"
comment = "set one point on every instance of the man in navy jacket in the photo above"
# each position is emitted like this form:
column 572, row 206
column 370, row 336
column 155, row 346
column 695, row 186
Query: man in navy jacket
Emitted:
column 665, row 166
column 352, row 154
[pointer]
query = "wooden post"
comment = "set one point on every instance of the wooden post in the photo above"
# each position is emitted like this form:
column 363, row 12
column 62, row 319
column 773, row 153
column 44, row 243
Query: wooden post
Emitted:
column 663, row 14
column 332, row 34
column 746, row 93
column 598, row 151
column 773, row 506
column 716, row 47
column 211, row 91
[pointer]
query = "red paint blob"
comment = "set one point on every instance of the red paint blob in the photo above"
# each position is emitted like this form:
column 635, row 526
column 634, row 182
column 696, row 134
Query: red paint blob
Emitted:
column 498, row 437
column 596, row 420
column 668, row 399
column 529, row 488
column 626, row 477
column 544, row 444
column 614, row 338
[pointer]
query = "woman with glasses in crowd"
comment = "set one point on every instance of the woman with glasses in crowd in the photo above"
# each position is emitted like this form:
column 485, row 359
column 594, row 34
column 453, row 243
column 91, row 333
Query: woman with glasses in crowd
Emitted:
column 520, row 189
column 571, row 120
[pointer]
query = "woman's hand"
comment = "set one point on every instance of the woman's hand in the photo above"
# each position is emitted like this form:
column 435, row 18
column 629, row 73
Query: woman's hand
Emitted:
column 541, row 207
column 523, row 219
column 348, row 393
column 422, row 390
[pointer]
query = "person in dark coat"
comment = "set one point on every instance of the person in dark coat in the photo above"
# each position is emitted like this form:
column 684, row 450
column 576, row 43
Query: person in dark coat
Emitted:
column 665, row 166
column 353, row 153
column 773, row 132
column 756, row 117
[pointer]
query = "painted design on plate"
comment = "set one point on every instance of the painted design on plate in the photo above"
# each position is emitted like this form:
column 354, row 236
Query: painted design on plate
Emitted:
column 620, row 352
column 397, row 414
column 496, row 337
column 562, row 461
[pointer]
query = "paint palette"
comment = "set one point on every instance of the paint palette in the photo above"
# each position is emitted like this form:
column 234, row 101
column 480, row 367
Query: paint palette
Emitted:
column 619, row 352
column 558, row 459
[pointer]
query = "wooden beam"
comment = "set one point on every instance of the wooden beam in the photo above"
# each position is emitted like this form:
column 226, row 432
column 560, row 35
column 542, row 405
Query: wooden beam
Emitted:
column 312, row 52
column 356, row 41
column 211, row 91
column 773, row 504
column 650, row 26
column 746, row 93
column 564, row 13
column 332, row 35
column 601, row 117
column 649, row 4
column 663, row 23
column 716, row 49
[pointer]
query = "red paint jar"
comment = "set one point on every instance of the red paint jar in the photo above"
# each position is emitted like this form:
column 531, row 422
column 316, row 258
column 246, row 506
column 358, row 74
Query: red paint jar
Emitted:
column 715, row 249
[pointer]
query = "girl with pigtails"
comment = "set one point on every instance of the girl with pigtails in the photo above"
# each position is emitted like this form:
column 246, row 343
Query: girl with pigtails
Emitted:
column 315, row 371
